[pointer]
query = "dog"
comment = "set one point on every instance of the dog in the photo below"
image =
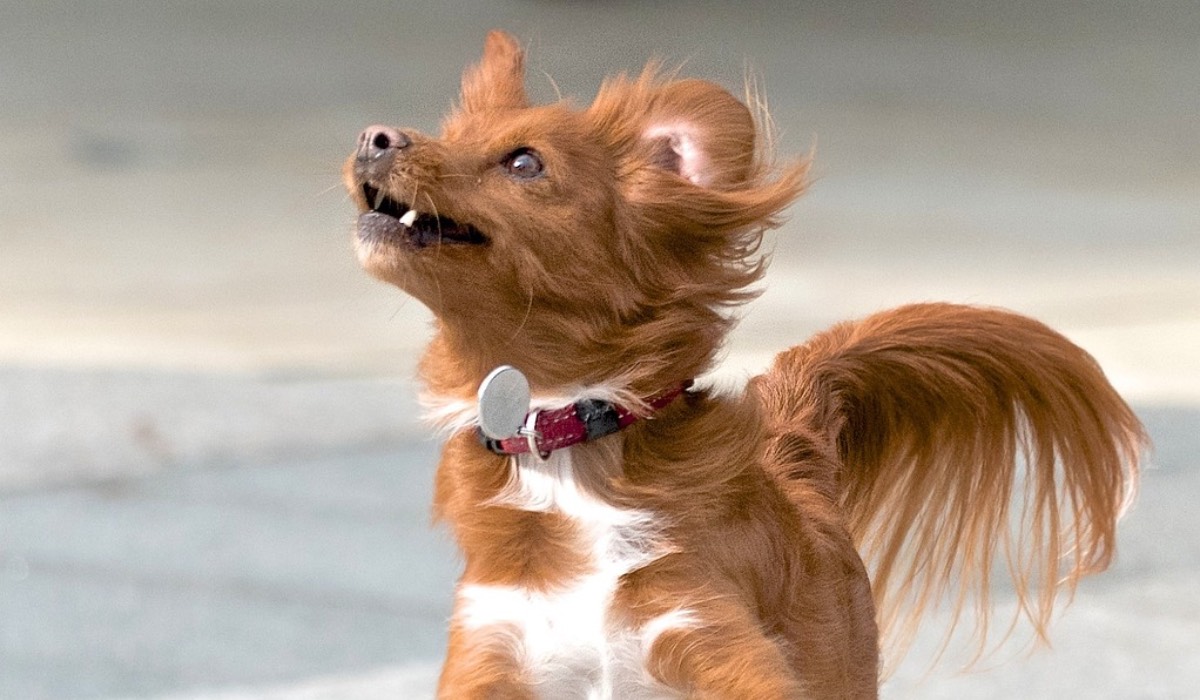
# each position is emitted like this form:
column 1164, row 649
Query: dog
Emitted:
column 629, row 535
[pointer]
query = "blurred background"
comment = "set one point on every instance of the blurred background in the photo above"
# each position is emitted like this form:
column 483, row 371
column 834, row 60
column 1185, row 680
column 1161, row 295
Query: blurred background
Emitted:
column 213, row 482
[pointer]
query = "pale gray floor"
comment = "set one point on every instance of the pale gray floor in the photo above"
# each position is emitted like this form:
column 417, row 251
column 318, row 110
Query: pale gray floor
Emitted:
column 212, row 483
column 319, row 573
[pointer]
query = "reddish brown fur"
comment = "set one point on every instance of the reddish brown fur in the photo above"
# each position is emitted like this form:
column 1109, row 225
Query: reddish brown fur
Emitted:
column 897, row 435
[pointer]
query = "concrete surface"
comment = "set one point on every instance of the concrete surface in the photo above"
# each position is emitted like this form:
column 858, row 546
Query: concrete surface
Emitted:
column 212, row 484
column 170, row 193
column 320, row 576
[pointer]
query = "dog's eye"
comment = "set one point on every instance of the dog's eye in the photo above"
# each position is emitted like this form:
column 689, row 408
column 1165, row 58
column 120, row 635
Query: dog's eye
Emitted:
column 524, row 163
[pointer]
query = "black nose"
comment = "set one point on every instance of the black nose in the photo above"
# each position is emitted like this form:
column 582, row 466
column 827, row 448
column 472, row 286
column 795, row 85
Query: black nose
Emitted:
column 377, row 141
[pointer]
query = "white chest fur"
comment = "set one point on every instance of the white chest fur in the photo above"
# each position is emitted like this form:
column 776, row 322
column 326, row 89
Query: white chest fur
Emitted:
column 565, row 638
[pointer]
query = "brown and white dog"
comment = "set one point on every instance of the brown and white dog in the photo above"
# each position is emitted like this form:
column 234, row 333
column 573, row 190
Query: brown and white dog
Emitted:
column 652, row 540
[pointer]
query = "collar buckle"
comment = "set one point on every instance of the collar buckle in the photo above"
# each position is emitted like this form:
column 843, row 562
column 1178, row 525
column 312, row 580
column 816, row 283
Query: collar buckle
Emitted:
column 543, row 431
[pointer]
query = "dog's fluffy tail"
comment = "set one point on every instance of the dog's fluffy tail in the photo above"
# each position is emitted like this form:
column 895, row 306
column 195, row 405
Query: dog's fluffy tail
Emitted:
column 967, row 437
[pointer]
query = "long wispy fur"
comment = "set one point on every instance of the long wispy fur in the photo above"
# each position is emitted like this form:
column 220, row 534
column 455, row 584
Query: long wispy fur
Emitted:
column 883, row 467
column 966, row 436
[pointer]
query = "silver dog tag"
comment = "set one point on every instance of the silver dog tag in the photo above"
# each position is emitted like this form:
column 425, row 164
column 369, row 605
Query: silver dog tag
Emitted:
column 503, row 402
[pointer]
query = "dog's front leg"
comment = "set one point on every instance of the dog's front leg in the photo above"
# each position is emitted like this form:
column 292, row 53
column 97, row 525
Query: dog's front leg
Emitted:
column 481, row 665
column 724, row 655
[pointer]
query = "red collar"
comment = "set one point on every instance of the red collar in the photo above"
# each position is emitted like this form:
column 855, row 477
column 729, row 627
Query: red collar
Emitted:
column 581, row 421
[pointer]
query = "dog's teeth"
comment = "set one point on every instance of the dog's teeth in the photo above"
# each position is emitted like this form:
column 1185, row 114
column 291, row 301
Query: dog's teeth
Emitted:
column 379, row 197
column 409, row 217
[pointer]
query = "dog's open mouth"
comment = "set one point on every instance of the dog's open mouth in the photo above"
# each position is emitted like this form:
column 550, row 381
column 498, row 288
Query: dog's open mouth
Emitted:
column 390, row 219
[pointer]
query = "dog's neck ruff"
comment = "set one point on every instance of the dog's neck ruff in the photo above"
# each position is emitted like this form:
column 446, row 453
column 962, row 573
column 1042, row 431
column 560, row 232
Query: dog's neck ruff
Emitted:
column 589, row 419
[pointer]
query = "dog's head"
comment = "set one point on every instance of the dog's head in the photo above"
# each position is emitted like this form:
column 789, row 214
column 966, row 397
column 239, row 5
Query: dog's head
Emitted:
column 587, row 240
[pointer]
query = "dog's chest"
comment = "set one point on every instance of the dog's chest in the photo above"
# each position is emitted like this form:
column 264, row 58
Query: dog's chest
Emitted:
column 566, row 639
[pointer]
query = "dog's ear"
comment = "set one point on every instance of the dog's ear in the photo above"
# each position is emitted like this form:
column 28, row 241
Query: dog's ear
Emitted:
column 696, row 189
column 498, row 81
column 700, row 132
column 689, row 157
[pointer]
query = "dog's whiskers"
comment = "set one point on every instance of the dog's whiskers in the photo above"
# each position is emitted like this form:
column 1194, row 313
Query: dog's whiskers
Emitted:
column 524, row 320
